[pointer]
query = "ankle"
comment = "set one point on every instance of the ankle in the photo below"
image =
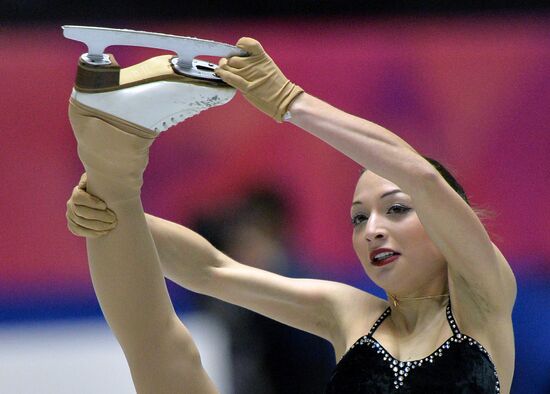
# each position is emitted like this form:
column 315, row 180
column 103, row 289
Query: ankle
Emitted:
column 112, row 188
column 113, row 155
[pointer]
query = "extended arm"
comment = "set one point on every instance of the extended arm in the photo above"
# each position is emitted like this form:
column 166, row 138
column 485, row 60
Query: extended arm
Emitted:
column 322, row 308
column 315, row 306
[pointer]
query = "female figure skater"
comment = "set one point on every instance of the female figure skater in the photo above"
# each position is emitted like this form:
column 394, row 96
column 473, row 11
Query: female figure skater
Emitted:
column 413, row 231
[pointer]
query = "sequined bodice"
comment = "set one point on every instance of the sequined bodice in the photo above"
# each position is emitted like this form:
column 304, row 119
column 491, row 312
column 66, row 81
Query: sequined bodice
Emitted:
column 460, row 365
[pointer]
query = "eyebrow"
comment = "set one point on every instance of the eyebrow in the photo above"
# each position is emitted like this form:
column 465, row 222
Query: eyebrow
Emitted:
column 382, row 196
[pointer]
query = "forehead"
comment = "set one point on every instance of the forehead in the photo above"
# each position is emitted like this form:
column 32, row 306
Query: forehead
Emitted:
column 371, row 185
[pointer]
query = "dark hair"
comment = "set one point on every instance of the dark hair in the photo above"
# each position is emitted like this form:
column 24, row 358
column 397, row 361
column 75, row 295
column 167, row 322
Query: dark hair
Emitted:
column 451, row 180
column 482, row 213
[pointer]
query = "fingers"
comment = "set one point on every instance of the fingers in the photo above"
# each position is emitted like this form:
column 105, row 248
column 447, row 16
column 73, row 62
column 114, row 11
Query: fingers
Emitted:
column 229, row 76
column 74, row 216
column 87, row 215
column 80, row 196
column 238, row 62
column 83, row 231
column 250, row 45
column 228, row 64
column 222, row 62
column 83, row 181
column 105, row 216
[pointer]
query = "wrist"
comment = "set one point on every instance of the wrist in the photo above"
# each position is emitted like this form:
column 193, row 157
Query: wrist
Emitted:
column 287, row 95
column 297, row 107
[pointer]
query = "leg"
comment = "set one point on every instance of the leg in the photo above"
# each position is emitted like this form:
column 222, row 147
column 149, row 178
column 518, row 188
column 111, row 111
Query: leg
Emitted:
column 125, row 266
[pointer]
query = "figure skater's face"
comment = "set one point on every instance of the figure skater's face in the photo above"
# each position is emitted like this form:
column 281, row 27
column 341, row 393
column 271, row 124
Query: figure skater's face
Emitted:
column 384, row 220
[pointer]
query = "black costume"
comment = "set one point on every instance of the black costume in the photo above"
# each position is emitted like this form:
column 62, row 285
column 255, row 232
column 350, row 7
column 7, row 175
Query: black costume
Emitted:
column 460, row 365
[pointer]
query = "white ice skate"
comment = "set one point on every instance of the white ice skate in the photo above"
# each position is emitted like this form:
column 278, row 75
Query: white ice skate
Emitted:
column 157, row 93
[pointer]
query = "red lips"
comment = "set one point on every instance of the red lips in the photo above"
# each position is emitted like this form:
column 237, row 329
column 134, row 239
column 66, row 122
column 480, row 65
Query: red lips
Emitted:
column 378, row 251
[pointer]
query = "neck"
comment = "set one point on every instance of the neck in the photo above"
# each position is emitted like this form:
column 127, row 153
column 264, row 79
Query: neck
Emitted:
column 397, row 301
column 414, row 312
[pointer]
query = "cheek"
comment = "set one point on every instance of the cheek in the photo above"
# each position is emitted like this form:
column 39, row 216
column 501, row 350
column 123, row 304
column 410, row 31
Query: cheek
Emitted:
column 355, row 241
column 359, row 246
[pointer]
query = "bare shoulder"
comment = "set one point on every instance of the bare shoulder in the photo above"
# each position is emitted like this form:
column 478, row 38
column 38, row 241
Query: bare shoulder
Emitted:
column 354, row 311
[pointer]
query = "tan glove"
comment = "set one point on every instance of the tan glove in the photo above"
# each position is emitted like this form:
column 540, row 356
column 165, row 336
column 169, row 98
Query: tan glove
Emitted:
column 259, row 79
column 87, row 215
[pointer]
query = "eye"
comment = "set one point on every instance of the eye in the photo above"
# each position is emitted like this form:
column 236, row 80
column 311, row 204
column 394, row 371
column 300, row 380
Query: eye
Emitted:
column 357, row 219
column 399, row 208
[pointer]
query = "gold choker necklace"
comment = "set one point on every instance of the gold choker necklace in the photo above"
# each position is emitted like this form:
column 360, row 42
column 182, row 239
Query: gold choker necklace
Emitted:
column 395, row 300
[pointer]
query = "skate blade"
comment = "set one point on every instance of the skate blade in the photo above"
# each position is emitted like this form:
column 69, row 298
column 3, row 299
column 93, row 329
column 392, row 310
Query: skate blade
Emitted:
column 187, row 48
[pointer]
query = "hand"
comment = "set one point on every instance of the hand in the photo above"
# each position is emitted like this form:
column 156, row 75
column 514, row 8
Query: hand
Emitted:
column 87, row 215
column 259, row 79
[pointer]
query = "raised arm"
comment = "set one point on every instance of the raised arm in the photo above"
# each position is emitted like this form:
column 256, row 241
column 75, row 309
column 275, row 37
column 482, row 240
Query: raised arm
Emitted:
column 480, row 276
column 479, row 271
column 375, row 148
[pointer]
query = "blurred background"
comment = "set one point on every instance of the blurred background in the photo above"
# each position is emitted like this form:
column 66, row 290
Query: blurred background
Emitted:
column 467, row 83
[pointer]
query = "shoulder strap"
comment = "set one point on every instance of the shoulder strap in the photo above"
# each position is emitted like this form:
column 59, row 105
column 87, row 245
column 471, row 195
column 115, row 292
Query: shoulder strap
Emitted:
column 449, row 313
column 379, row 321
column 451, row 319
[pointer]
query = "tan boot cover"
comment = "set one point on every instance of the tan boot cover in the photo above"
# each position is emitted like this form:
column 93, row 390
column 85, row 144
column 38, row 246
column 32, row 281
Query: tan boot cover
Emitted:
column 114, row 152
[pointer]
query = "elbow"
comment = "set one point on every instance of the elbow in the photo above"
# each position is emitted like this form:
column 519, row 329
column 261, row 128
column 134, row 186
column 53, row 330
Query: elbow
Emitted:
column 426, row 172
column 194, row 274
column 420, row 178
column 199, row 273
column 428, row 177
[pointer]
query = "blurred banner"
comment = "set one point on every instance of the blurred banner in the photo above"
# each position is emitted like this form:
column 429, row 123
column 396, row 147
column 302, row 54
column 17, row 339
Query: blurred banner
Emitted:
column 54, row 10
column 470, row 92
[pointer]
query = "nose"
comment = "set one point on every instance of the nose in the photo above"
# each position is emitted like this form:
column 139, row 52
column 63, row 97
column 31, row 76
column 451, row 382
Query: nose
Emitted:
column 374, row 230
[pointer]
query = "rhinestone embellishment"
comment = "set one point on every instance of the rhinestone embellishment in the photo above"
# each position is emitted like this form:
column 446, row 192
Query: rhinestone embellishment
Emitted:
column 401, row 369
